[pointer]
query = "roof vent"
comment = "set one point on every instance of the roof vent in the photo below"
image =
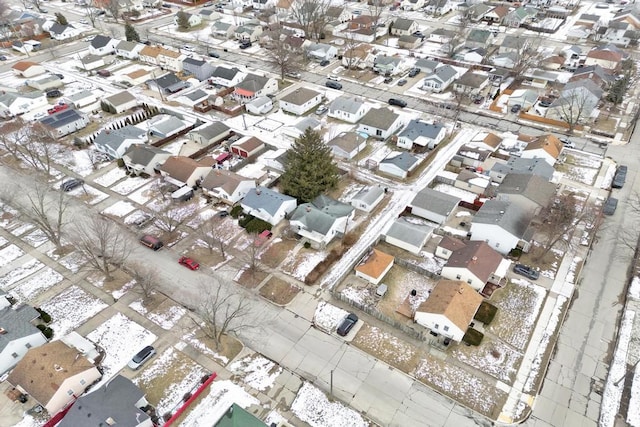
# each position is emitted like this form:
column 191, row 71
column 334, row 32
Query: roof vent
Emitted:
column 110, row 421
column 3, row 331
column 57, row 367
column 474, row 259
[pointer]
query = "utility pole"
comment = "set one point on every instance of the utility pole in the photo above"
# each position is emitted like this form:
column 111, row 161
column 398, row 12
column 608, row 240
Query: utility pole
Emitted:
column 331, row 387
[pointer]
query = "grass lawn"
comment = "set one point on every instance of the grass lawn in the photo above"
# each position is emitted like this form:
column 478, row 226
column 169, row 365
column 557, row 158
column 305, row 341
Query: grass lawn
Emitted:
column 251, row 279
column 277, row 252
column 492, row 357
column 278, row 291
column 388, row 348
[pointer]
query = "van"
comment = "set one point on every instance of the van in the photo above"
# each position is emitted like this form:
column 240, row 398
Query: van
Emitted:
column 151, row 242
column 333, row 84
column 397, row 102
column 182, row 194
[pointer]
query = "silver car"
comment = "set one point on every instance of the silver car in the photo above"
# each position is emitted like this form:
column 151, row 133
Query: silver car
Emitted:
column 142, row 356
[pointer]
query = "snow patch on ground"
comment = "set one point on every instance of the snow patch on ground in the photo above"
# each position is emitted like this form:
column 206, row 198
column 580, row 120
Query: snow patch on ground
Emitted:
column 257, row 372
column 312, row 406
column 166, row 320
column 17, row 274
column 34, row 285
column 202, row 347
column 71, row 308
column 634, row 289
column 36, row 238
column 10, row 253
column 111, row 177
column 128, row 185
column 119, row 209
column 328, row 317
column 633, row 414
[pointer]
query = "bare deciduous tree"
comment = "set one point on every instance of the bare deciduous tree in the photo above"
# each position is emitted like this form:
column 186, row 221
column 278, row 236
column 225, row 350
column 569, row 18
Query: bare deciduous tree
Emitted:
column 527, row 54
column 47, row 213
column 376, row 7
column 460, row 32
column 175, row 217
column 222, row 312
column 283, row 56
column 29, row 143
column 572, row 106
column 311, row 15
column 353, row 51
column 211, row 236
column 103, row 244
column 146, row 278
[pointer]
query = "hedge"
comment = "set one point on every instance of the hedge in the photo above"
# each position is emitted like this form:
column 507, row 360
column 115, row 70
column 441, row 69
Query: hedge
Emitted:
column 46, row 331
column 236, row 211
column 46, row 317
column 473, row 337
column 486, row 312
column 256, row 225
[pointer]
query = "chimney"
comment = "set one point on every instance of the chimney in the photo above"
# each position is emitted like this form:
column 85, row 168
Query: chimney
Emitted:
column 308, row 208
column 474, row 259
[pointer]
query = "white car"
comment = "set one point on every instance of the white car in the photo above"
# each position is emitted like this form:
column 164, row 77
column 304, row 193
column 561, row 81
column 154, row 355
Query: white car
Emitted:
column 189, row 48
column 333, row 77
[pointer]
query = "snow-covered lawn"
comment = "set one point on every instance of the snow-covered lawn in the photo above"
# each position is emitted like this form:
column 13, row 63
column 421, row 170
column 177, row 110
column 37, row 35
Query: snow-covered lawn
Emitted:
column 518, row 306
column 22, row 228
column 89, row 195
column 492, row 357
column 142, row 195
column 36, row 238
column 3, row 241
column 37, row 283
column 111, row 177
column 192, row 340
column 222, row 394
column 300, row 265
column 128, row 185
column 119, row 209
column 256, row 371
column 168, row 377
column 166, row 315
column 10, row 253
column 17, row 274
column 73, row 261
column 312, row 406
column 71, row 308
column 121, row 338
column 465, row 195
column 327, row 317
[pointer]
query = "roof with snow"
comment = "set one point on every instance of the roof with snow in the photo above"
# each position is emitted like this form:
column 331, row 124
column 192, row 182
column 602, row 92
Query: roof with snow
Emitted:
column 262, row 198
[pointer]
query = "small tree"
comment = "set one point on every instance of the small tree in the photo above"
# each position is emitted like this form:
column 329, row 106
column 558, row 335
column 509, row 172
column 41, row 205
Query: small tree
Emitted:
column 61, row 19
column 211, row 237
column 309, row 169
column 47, row 213
column 130, row 33
column 175, row 217
column 311, row 16
column 572, row 106
column 182, row 20
column 460, row 32
column 282, row 56
column 146, row 279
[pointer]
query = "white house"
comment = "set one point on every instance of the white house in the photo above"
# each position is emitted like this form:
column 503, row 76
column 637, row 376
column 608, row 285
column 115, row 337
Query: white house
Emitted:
column 421, row 133
column 368, row 198
column 184, row 171
column 28, row 69
column 440, row 79
column 399, row 165
column 18, row 334
column 348, row 109
column 404, row 27
column 81, row 99
column 476, row 264
column 114, row 142
column 321, row 51
column 142, row 158
column 320, row 221
column 503, row 225
column 347, row 145
column 433, row 205
column 120, row 102
column 300, row 100
column 193, row 20
column 375, row 266
column 408, row 236
column 103, row 45
column 259, row 106
column 226, row 186
column 129, row 50
column 65, row 122
column 16, row 103
column 380, row 123
column 268, row 205
column 546, row 147
column 449, row 309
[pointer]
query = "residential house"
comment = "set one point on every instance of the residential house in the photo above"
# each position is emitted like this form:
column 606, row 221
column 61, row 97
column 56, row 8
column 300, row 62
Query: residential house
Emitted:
column 596, row 73
column 45, row 83
column 246, row 147
column 138, row 76
column 81, row 99
column 194, row 97
column 263, row 4
column 129, row 49
column 421, row 133
column 18, row 335
column 380, row 123
column 546, row 147
column 619, row 33
column 142, row 158
column 407, row 235
column 409, row 42
column 496, row 15
column 210, row 134
column 441, row 35
column 404, row 27
column 164, row 125
column 346, row 145
column 198, row 68
column 21, row 47
column 259, row 106
column 120, row 102
column 297, row 129
column 193, row 20
column 283, row 7
column 268, row 205
column 449, row 310
column 63, row 32
column 399, row 165
column 536, row 166
column 68, row 375
column 168, row 83
column 15, row 103
column 532, row 192
column 517, row 44
column 248, row 32
column 222, row 29
column 368, row 198
column 300, row 100
column 477, row 11
column 411, row 4
column 440, row 78
column 65, row 122
column 183, row 171
column 439, row 7
column 387, row 65
column 474, row 182
column 609, row 57
column 28, row 69
column 227, row 77
column 486, row 141
column 525, row 98
column 584, row 94
column 360, row 57
column 321, row 51
column 117, row 402
column 471, row 83
column 447, row 246
column 103, row 45
column 478, row 38
column 476, row 55
column 92, row 62
column 167, row 59
column 520, row 16
column 253, row 86
column 505, row 60
column 433, row 205
column 348, row 109
column 337, row 15
column 427, row 66
column 322, row 220
column 375, row 266
column 629, row 14
column 115, row 142
column 226, row 186
column 477, row 264
column 361, row 28
column 503, row 225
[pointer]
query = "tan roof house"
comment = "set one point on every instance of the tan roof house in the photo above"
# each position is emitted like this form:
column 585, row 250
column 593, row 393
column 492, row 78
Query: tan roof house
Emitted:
column 180, row 170
column 449, row 309
column 477, row 264
column 247, row 147
column 547, row 147
column 375, row 267
column 53, row 375
column 28, row 69
column 226, row 186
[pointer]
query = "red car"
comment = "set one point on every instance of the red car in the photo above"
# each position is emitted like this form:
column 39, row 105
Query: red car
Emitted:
column 189, row 263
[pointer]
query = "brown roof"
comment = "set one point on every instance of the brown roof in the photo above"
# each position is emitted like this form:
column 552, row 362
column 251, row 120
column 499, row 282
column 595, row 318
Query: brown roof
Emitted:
column 376, row 264
column 249, row 145
column 492, row 140
column 604, row 54
column 477, row 257
column 138, row 73
column 501, row 11
column 451, row 243
column 555, row 59
column 224, row 179
column 23, row 65
column 180, row 167
column 548, row 143
column 526, row 138
column 456, row 300
column 284, row 4
column 152, row 51
column 43, row 369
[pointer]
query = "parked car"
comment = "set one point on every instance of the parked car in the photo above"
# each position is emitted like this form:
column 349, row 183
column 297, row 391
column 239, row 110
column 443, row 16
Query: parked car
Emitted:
column 321, row 110
column 402, row 82
column 347, row 324
column 610, row 206
column 324, row 62
column 3, row 58
column 103, row 73
column 54, row 93
column 620, row 177
column 544, row 104
column 151, row 242
column 526, row 271
column 263, row 237
column 142, row 356
column 84, row 22
column 143, row 220
column 567, row 143
column 245, row 45
column 516, row 108
column 333, row 84
column 478, row 99
column 214, row 54
column 414, row 72
column 189, row 263
column 398, row 102
column 57, row 108
column 334, row 77
column 188, row 48
column 388, row 79
column 293, row 75
column 71, row 184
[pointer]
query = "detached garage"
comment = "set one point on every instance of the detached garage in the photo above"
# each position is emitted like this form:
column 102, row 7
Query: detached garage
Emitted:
column 408, row 236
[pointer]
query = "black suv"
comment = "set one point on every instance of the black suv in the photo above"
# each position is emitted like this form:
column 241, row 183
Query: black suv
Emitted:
column 71, row 184
column 347, row 324
column 414, row 72
column 610, row 206
column 54, row 93
column 245, row 45
column 620, row 177
column 333, row 84
column 397, row 102
column 526, row 271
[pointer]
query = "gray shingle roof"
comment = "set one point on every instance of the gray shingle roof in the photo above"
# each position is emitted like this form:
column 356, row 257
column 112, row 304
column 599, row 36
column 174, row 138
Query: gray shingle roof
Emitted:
column 347, row 104
column 435, row 201
column 403, row 24
column 536, row 166
column 321, row 213
column 417, row 128
column 509, row 216
column 403, row 161
column 16, row 323
column 61, row 118
column 380, row 118
column 414, row 234
column 115, row 138
column 443, row 73
column 212, row 130
column 100, row 41
column 368, row 194
column 300, row 96
column 533, row 187
column 253, row 83
column 265, row 199
column 120, row 98
column 140, row 154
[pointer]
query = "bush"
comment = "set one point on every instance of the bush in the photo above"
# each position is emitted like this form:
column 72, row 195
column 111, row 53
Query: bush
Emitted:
column 46, row 317
column 242, row 222
column 486, row 313
column 350, row 239
column 120, row 163
column 144, row 175
column 473, row 337
column 324, row 265
column 307, row 245
column 236, row 211
column 46, row 331
column 256, row 225
column 515, row 253
column 186, row 396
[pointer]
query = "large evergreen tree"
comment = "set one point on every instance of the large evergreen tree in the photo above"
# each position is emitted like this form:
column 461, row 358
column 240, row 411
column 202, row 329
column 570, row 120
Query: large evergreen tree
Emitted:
column 130, row 33
column 309, row 169
column 182, row 20
column 61, row 19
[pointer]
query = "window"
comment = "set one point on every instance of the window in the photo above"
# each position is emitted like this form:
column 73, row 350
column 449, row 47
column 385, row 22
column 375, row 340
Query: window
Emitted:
column 446, row 328
column 435, row 326
column 28, row 345
column 469, row 281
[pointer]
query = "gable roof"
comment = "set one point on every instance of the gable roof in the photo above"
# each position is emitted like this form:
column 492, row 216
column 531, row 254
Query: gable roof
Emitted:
column 140, row 154
column 533, row 187
column 180, row 167
column 548, row 143
column 380, row 118
column 403, row 161
column 477, row 257
column 115, row 400
column 224, row 179
column 212, row 130
column 417, row 128
column 43, row 369
column 248, row 144
column 300, row 96
column 403, row 24
column 347, row 141
column 24, row 65
column 587, row 84
column 114, row 138
column 536, row 166
column 435, row 201
column 62, row 118
column 252, row 83
column 509, row 216
column 265, row 199
column 451, row 243
column 126, row 45
column 120, row 98
column 456, row 300
column 375, row 264
column 100, row 41
column 368, row 195
column 321, row 213
column 413, row 234
column 16, row 324
column 348, row 104
column 443, row 73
